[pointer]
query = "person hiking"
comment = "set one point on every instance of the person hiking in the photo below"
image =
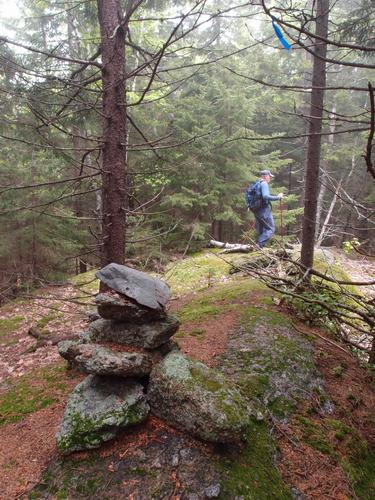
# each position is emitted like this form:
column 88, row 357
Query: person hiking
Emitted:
column 264, row 223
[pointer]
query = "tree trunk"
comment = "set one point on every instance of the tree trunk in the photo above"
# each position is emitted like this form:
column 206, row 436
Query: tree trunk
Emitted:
column 216, row 228
column 314, row 140
column 324, row 175
column 114, row 194
column 329, row 213
column 77, row 130
column 322, row 192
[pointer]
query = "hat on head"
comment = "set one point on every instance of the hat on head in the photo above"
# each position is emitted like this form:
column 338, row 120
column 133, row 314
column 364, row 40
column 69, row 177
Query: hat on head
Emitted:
column 266, row 172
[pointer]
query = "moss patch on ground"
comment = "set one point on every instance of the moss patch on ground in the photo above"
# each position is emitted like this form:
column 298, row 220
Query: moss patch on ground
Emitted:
column 354, row 455
column 87, row 282
column 331, row 269
column 32, row 392
column 51, row 316
column 345, row 446
column 222, row 297
column 197, row 272
column 8, row 326
column 313, row 435
column 362, row 475
column 251, row 473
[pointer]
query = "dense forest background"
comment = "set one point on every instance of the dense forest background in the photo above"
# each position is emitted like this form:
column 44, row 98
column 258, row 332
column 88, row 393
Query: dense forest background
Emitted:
column 210, row 97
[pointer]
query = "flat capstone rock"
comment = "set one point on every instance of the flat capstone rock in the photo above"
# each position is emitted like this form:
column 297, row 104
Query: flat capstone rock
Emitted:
column 97, row 409
column 102, row 360
column 119, row 308
column 141, row 287
column 198, row 400
column 149, row 335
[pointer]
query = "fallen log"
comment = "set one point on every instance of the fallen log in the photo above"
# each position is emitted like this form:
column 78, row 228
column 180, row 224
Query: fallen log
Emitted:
column 231, row 247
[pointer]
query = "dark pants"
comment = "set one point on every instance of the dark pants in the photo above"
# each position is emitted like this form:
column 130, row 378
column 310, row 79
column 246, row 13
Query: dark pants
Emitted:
column 265, row 225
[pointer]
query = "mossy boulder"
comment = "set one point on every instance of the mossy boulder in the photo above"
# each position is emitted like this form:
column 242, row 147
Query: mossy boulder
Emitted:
column 196, row 399
column 100, row 360
column 148, row 336
column 97, row 409
column 271, row 363
column 119, row 308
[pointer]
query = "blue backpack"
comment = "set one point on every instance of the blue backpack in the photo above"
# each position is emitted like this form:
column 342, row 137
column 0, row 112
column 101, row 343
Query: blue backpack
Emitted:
column 253, row 196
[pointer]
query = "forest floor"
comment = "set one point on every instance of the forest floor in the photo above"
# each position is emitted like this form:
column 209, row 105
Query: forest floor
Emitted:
column 318, row 454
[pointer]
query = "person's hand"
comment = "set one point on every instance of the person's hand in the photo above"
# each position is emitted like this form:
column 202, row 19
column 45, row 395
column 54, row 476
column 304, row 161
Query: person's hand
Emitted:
column 281, row 195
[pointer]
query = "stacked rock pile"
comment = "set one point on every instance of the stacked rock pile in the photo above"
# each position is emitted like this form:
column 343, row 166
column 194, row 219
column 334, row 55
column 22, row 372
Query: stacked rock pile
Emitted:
column 134, row 367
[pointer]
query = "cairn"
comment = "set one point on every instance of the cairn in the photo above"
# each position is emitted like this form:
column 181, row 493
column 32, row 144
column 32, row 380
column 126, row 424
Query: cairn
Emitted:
column 118, row 351
column 134, row 368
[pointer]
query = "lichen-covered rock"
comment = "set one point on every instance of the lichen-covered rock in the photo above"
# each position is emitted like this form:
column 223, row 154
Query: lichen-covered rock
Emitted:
column 170, row 346
column 101, row 360
column 148, row 336
column 270, row 363
column 97, row 409
column 119, row 308
column 144, row 289
column 197, row 399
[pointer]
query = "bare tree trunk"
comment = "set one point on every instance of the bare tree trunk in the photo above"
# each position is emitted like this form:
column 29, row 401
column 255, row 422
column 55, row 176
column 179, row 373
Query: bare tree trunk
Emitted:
column 114, row 194
column 322, row 192
column 314, row 143
column 329, row 213
column 324, row 173
column 74, row 51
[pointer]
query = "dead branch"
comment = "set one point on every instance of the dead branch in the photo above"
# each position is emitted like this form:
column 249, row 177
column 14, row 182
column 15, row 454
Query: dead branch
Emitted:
column 321, row 337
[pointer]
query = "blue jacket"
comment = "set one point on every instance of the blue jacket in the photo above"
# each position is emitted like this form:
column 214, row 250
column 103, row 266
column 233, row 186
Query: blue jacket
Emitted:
column 267, row 197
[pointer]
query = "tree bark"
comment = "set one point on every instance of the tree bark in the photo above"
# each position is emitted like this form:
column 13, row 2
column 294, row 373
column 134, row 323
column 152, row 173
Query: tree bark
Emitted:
column 324, row 177
column 77, row 130
column 314, row 142
column 329, row 213
column 114, row 153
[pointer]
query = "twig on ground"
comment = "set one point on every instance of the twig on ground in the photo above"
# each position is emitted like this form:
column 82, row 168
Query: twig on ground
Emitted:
column 321, row 337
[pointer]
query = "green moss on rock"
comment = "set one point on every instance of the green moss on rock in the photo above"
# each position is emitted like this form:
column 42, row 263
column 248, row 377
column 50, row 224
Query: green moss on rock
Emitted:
column 269, row 363
column 97, row 409
column 197, row 399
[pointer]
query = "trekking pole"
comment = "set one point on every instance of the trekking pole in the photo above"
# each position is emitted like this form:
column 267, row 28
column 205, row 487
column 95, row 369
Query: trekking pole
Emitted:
column 281, row 222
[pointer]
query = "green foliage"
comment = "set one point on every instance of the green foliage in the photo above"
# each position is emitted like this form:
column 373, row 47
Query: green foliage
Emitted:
column 311, row 310
column 348, row 246
column 36, row 242
column 221, row 117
